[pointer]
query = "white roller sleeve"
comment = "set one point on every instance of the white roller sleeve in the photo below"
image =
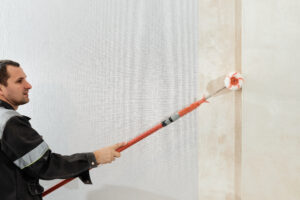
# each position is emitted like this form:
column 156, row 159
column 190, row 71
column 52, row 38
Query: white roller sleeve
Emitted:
column 234, row 81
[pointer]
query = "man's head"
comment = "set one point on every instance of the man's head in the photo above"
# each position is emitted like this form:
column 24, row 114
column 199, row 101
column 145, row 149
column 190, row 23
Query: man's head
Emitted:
column 13, row 84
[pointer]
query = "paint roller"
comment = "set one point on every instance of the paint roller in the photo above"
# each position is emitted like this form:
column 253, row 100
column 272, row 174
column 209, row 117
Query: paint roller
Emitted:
column 233, row 81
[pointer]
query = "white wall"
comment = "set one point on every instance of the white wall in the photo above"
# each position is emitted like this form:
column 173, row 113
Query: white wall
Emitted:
column 271, row 100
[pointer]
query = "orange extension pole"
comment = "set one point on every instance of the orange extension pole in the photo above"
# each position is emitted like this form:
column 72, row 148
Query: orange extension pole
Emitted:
column 233, row 81
column 164, row 123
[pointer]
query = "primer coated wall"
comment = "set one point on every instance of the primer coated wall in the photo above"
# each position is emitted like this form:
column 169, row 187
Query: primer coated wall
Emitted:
column 220, row 137
column 271, row 100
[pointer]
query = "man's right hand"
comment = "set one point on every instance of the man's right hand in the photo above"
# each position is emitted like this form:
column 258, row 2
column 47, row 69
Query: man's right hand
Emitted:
column 108, row 154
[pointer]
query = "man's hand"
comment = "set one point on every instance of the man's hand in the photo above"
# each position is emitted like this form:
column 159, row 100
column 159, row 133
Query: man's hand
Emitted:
column 108, row 154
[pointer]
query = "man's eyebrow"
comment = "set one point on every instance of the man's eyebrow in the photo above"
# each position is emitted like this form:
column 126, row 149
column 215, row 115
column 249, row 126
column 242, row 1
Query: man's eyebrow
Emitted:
column 20, row 78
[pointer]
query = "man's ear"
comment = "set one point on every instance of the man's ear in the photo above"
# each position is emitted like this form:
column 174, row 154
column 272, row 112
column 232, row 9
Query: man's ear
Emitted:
column 1, row 89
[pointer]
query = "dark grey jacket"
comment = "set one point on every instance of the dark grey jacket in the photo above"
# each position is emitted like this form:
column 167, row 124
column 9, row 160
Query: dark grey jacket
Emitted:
column 25, row 158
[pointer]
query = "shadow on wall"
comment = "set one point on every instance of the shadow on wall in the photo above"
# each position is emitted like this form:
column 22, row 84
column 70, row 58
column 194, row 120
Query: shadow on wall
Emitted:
column 217, row 84
column 112, row 192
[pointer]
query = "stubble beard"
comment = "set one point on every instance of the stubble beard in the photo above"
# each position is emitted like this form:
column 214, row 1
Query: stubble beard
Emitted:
column 21, row 102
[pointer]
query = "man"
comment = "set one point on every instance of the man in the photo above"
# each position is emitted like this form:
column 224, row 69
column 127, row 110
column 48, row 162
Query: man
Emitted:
column 24, row 156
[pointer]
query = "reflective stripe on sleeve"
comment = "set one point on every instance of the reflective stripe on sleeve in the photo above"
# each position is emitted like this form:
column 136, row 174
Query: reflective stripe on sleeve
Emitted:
column 32, row 156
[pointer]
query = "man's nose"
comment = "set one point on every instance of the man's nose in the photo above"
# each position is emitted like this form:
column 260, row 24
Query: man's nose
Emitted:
column 28, row 85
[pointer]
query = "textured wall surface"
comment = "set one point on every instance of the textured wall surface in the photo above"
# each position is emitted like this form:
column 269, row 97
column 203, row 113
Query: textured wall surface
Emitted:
column 220, row 142
column 103, row 72
column 271, row 100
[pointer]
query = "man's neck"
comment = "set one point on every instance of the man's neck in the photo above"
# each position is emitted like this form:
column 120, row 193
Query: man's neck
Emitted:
column 5, row 100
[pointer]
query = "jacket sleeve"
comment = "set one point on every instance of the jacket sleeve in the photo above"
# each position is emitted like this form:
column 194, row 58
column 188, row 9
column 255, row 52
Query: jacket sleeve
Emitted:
column 29, row 152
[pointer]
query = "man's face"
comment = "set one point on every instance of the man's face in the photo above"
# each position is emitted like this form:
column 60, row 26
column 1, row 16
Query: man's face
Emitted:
column 16, row 91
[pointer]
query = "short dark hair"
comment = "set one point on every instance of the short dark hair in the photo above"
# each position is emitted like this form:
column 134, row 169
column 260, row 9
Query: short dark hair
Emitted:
column 3, row 72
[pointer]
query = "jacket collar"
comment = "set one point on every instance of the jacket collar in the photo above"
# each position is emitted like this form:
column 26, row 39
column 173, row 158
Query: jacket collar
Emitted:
column 6, row 105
